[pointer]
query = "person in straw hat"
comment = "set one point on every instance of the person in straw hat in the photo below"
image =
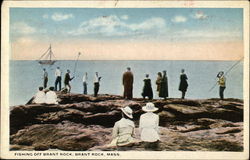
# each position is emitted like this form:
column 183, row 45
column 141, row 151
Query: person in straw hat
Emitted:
column 148, row 126
column 124, row 129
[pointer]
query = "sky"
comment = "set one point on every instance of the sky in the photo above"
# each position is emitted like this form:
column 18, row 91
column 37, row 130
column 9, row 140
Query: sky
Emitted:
column 127, row 33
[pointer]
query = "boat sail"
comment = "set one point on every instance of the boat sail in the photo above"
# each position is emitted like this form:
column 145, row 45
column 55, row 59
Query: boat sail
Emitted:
column 46, row 58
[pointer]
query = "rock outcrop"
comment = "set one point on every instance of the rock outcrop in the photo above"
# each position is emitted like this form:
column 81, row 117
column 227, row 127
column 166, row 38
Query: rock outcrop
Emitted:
column 83, row 122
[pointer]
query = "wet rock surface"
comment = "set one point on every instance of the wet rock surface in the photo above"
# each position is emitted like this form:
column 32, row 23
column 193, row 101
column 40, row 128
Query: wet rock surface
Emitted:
column 83, row 122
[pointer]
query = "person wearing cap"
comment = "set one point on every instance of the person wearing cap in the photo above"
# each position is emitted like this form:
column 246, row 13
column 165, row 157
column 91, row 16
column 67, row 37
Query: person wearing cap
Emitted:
column 40, row 96
column 45, row 78
column 51, row 97
column 222, row 83
column 163, row 92
column 127, row 81
column 148, row 126
column 124, row 129
column 67, row 79
column 147, row 89
column 183, row 83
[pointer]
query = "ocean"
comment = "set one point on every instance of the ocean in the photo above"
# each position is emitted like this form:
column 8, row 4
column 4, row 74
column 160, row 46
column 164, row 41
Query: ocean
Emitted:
column 27, row 76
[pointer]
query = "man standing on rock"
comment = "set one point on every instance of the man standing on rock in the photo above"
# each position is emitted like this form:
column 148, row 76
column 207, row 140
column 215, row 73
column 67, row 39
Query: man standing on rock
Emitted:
column 97, row 80
column 67, row 79
column 127, row 81
column 45, row 78
column 84, row 80
column 183, row 83
column 222, row 83
column 58, row 74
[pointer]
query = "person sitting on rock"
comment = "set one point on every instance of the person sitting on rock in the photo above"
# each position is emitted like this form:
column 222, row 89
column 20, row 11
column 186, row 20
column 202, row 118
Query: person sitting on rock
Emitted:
column 148, row 126
column 123, row 130
column 40, row 96
column 51, row 97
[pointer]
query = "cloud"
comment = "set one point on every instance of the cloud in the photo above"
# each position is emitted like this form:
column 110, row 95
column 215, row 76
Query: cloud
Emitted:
column 207, row 34
column 117, row 26
column 179, row 19
column 22, row 28
column 152, row 23
column 61, row 17
column 199, row 15
column 124, row 17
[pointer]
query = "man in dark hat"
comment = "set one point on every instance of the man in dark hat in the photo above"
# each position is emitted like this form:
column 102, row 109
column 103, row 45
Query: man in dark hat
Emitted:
column 183, row 83
column 127, row 81
column 67, row 79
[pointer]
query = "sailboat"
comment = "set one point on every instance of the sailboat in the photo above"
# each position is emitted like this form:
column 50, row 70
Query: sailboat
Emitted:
column 46, row 58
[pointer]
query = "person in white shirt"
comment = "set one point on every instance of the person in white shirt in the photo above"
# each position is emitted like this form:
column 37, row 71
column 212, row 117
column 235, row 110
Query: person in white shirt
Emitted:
column 148, row 126
column 51, row 97
column 124, row 129
column 58, row 75
column 40, row 96
column 96, row 83
column 84, row 80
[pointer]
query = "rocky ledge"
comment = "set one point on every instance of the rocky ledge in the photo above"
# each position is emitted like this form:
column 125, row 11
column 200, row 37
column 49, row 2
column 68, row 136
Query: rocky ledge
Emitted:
column 83, row 122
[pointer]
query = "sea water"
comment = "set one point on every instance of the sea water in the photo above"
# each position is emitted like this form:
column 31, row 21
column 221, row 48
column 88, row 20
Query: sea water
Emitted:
column 27, row 76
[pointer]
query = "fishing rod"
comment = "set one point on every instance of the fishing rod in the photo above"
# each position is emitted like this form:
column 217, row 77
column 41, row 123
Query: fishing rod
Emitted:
column 227, row 72
column 76, row 62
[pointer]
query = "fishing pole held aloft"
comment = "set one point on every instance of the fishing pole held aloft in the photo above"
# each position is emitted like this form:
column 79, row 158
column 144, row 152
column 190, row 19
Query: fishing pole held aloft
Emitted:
column 79, row 53
column 235, row 64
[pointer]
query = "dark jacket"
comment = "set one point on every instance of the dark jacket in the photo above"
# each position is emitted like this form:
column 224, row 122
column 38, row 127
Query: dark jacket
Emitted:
column 67, row 78
column 163, row 92
column 127, row 81
column 147, row 89
column 183, row 83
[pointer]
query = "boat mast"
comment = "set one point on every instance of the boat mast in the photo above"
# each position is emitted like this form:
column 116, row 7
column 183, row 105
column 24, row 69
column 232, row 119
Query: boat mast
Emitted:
column 50, row 52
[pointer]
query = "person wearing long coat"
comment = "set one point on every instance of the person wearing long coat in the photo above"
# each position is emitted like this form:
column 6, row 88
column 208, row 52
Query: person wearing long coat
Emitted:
column 158, row 81
column 163, row 92
column 147, row 89
column 183, row 83
column 127, row 80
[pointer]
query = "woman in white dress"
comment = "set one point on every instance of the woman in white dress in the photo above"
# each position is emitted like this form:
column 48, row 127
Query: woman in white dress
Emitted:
column 124, row 129
column 148, row 126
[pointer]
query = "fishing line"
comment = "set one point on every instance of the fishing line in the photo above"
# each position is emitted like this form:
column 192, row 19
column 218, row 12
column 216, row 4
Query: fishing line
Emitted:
column 227, row 72
column 76, row 63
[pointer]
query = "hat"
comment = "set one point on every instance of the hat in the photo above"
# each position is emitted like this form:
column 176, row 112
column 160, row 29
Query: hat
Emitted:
column 127, row 111
column 150, row 107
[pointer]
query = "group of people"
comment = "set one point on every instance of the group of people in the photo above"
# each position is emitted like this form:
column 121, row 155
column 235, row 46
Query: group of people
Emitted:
column 68, row 78
column 124, row 130
column 48, row 97
column 128, row 80
column 161, row 82
column 58, row 81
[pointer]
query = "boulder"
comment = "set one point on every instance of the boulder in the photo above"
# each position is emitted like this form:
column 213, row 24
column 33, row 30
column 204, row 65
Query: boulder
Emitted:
column 83, row 122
